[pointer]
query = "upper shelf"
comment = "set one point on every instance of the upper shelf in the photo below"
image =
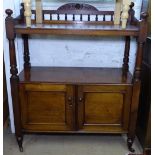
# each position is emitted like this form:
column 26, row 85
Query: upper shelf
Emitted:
column 77, row 19
column 79, row 28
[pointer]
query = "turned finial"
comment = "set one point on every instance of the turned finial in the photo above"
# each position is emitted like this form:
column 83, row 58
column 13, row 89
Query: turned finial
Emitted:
column 131, row 14
column 22, row 12
column 132, row 5
column 22, row 5
column 9, row 12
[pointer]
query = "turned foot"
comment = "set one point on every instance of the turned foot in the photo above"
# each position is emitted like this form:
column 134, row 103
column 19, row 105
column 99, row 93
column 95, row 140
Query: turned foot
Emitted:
column 20, row 142
column 21, row 149
column 129, row 143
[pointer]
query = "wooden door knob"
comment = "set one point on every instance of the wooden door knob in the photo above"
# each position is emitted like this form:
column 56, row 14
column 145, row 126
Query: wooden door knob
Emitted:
column 80, row 99
column 69, row 98
column 70, row 101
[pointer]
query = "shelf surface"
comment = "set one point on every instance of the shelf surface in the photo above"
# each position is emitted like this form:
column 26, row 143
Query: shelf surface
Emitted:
column 78, row 29
column 74, row 75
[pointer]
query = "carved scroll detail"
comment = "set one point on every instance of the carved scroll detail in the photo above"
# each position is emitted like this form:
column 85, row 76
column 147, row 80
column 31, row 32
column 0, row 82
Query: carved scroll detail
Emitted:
column 78, row 6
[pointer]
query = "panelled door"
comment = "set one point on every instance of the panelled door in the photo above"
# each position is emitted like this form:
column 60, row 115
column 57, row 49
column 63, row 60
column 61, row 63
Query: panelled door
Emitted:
column 47, row 107
column 104, row 108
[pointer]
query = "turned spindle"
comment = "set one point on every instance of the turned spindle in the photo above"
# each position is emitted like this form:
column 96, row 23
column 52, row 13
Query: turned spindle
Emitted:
column 126, row 56
column 39, row 17
column 27, row 12
column 141, row 41
column 125, row 14
column 26, row 51
column 117, row 14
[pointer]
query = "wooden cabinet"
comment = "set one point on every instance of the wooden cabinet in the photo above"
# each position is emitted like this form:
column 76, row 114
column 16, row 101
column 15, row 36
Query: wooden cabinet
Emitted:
column 76, row 99
column 52, row 107
column 104, row 108
column 46, row 107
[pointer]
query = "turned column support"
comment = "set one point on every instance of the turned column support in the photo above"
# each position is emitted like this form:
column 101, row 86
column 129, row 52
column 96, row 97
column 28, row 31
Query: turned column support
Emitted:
column 26, row 52
column 126, row 56
column 141, row 40
column 136, row 80
column 9, row 22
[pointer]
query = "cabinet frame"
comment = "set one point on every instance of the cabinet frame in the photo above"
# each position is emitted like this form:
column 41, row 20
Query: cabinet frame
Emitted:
column 135, row 28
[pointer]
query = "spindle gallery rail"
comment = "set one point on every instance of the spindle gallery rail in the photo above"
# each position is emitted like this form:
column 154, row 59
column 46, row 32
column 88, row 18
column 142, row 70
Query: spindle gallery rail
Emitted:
column 75, row 99
column 80, row 9
column 71, row 10
column 84, row 25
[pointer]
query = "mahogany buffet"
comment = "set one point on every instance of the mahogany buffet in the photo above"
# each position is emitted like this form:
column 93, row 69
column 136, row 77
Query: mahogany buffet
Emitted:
column 64, row 99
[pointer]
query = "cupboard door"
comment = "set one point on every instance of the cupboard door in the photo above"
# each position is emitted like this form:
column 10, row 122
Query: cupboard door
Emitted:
column 104, row 108
column 47, row 107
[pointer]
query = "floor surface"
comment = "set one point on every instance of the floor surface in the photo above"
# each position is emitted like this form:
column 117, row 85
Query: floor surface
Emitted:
column 68, row 145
